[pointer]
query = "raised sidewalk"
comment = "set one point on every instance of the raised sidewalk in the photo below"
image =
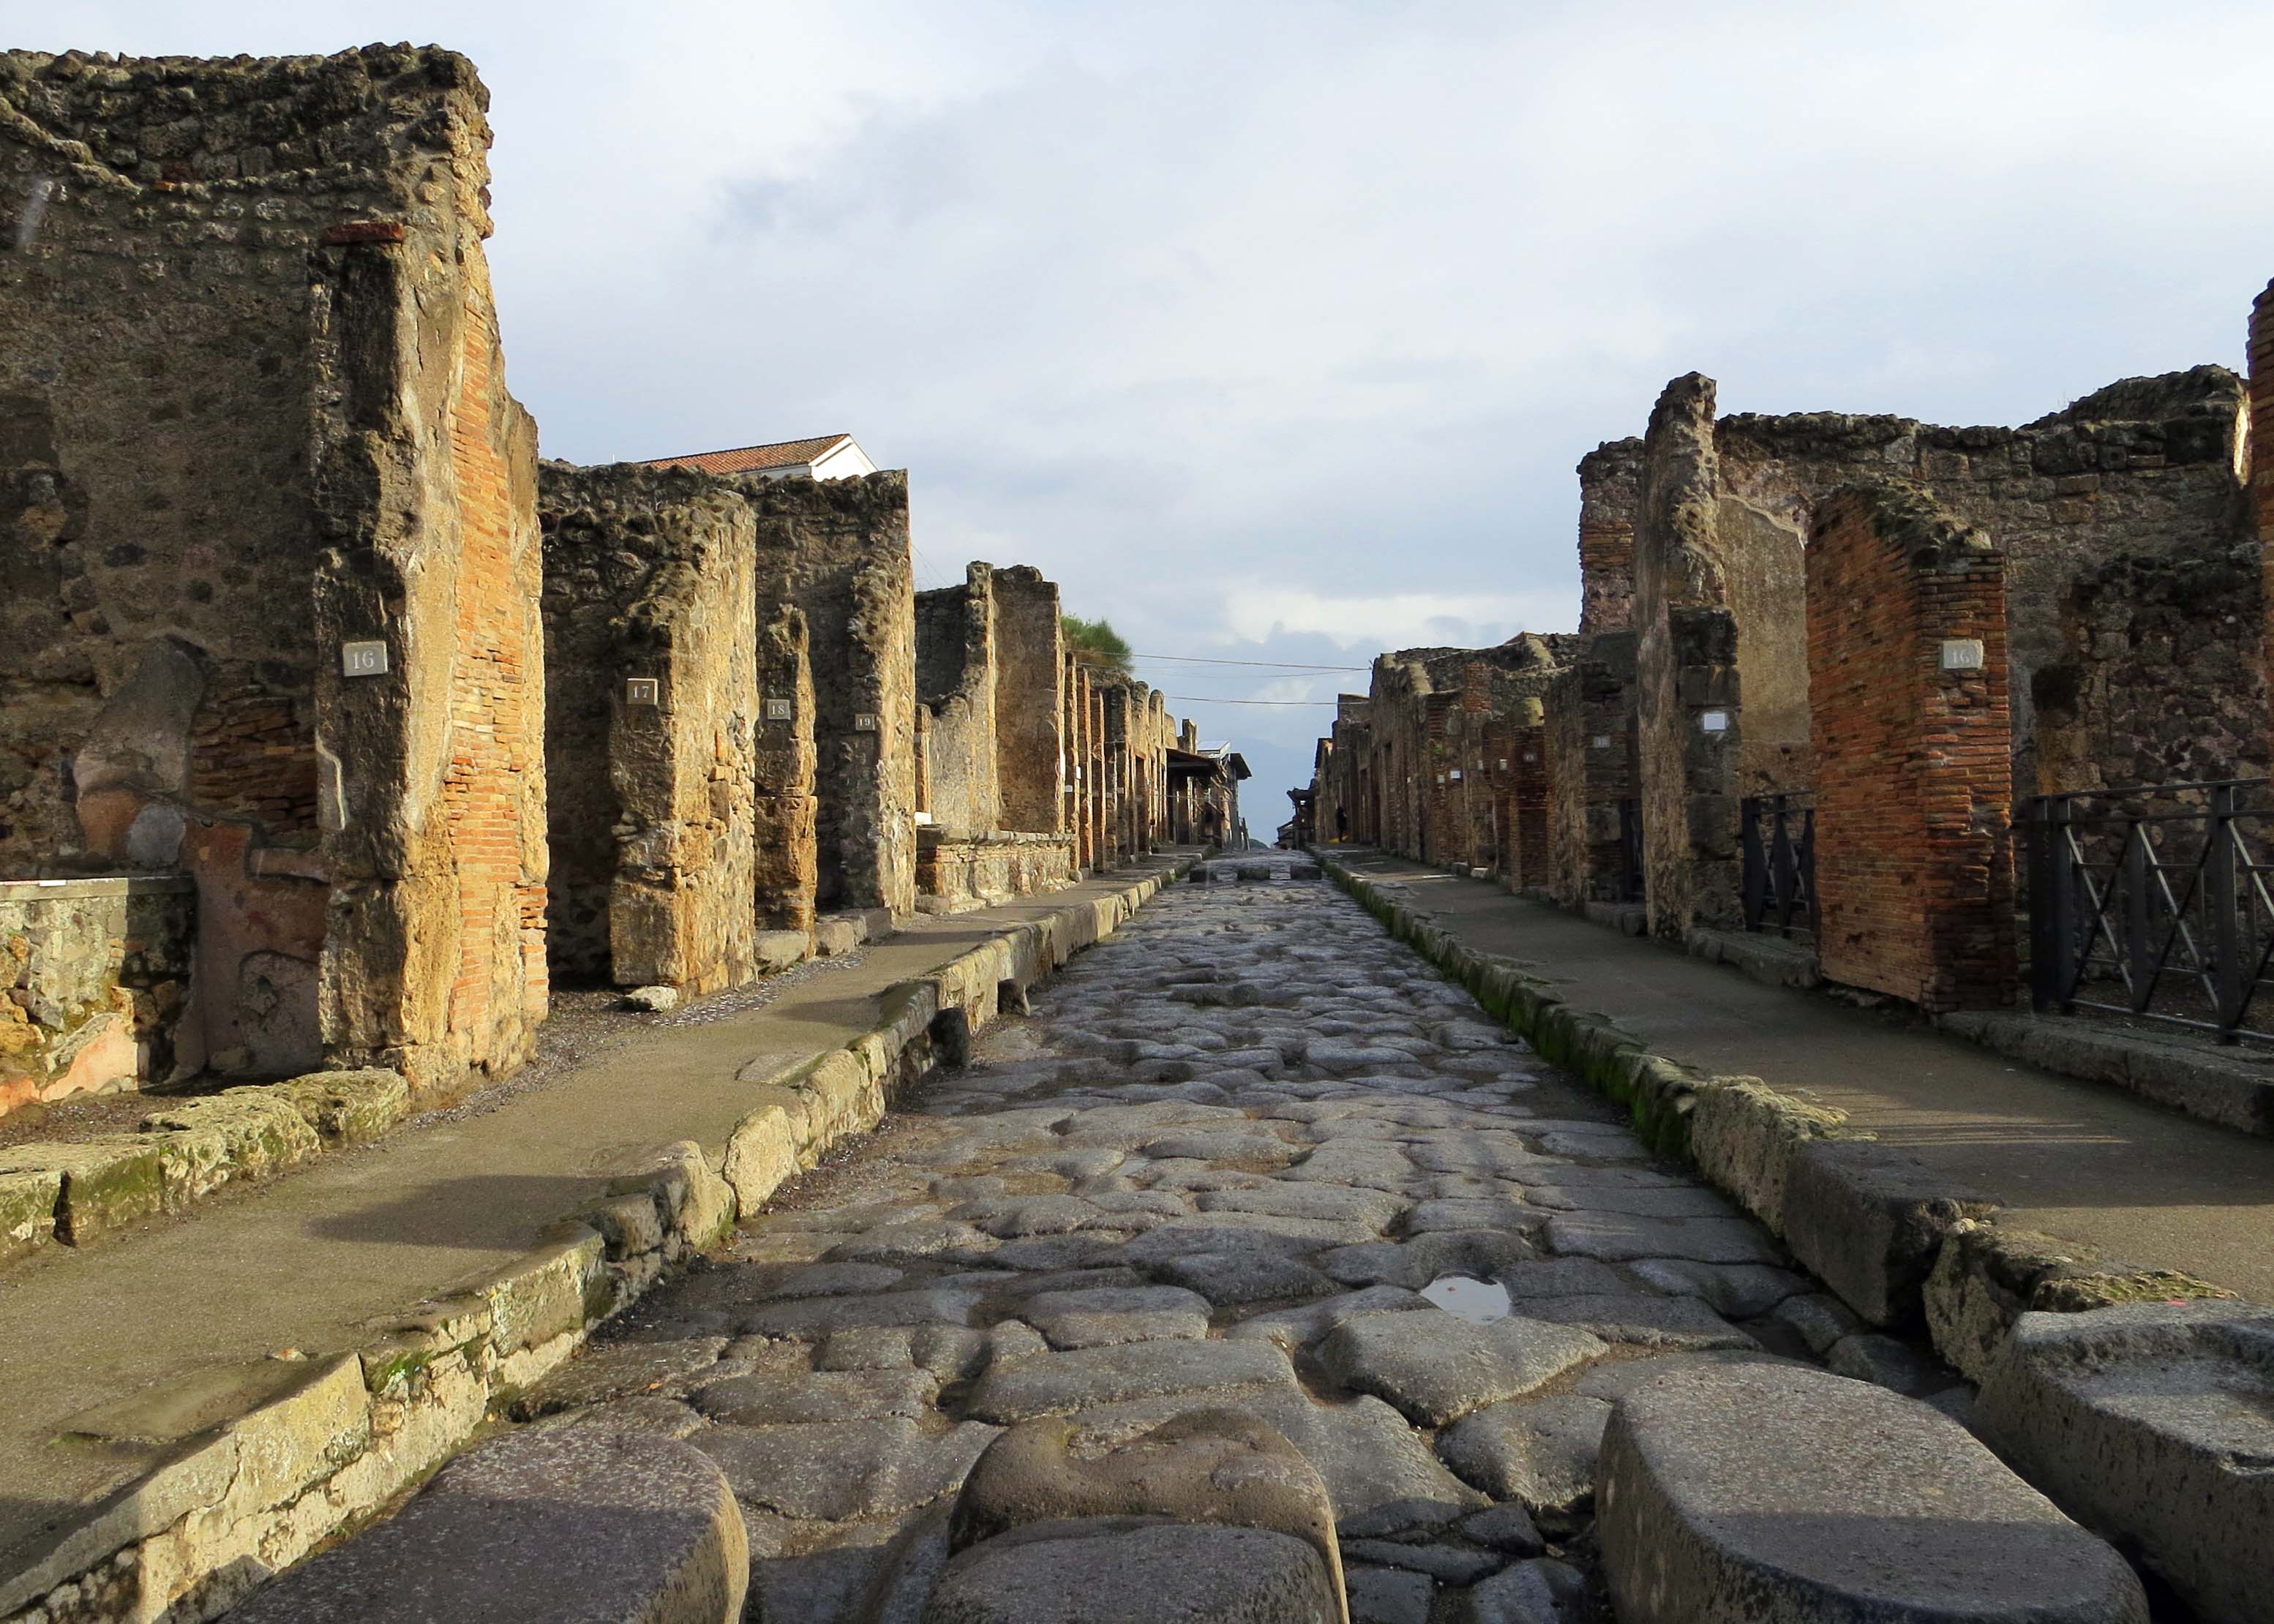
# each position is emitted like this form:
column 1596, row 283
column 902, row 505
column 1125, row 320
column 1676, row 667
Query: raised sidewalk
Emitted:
column 2078, row 1159
column 151, row 1432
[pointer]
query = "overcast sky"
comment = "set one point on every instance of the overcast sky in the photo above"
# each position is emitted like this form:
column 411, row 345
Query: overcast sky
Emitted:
column 1273, row 330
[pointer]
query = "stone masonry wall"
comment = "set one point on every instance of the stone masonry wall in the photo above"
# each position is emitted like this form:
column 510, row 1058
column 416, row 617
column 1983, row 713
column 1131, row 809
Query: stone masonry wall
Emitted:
column 1588, row 741
column 284, row 426
column 1029, row 702
column 956, row 682
column 1686, row 673
column 648, row 580
column 2163, row 673
column 2147, row 467
column 94, row 975
column 1914, row 834
column 839, row 550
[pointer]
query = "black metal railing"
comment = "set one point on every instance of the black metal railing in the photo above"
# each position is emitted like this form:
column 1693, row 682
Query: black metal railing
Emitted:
column 1780, row 879
column 2154, row 902
column 1629, row 875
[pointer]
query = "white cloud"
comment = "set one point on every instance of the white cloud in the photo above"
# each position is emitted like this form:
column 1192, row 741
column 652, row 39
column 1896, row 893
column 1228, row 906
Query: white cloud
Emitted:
column 1275, row 329
column 1260, row 612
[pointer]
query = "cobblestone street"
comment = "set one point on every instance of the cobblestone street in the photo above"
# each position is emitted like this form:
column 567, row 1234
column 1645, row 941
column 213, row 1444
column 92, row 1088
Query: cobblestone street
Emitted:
column 1248, row 1154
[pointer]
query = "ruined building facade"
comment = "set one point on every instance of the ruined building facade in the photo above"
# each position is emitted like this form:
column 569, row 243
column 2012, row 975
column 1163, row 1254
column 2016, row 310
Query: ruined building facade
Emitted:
column 1877, row 636
column 270, row 556
column 332, row 728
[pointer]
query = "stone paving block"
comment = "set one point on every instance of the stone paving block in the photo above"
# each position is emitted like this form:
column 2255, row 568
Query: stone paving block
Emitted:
column 1436, row 1368
column 1158, row 1572
column 1211, row 1464
column 1089, row 1376
column 1751, row 1491
column 2154, row 1424
column 1681, row 1322
column 1539, row 1591
column 1868, row 1220
column 1541, row 1454
column 1612, row 1237
column 559, row 1526
column 1389, row 1595
column 855, row 1469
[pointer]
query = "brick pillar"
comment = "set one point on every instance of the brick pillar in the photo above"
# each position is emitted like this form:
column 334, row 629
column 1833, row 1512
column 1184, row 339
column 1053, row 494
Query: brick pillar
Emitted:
column 1913, row 738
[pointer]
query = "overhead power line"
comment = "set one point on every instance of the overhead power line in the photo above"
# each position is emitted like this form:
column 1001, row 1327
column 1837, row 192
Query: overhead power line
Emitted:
column 1199, row 659
column 1210, row 699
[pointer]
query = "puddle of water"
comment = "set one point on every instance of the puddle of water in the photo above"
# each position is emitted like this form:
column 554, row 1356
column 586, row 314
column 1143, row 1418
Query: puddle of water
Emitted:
column 1479, row 1300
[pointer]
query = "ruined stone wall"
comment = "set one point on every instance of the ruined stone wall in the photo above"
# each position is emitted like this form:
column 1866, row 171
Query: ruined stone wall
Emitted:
column 649, row 580
column 2147, row 467
column 785, row 812
column 956, row 682
column 1914, row 835
column 2163, row 673
column 1589, row 744
column 1689, row 727
column 839, row 551
column 1030, row 706
column 957, row 872
column 1610, row 488
column 282, row 425
column 95, row 978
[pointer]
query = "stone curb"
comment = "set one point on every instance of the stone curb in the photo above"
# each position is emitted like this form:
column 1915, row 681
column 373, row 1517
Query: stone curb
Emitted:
column 1967, row 1280
column 248, row 1496
column 73, row 1190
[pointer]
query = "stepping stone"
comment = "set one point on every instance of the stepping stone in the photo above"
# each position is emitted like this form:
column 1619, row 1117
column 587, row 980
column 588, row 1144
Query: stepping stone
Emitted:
column 1155, row 1572
column 2156, row 1424
column 1379, row 1472
column 1540, row 1455
column 562, row 1525
column 1209, row 1464
column 1087, row 1376
column 1436, row 1368
column 1753, row 1491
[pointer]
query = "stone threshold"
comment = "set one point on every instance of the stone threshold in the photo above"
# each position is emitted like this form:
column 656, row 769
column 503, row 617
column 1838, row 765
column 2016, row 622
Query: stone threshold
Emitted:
column 259, row 1465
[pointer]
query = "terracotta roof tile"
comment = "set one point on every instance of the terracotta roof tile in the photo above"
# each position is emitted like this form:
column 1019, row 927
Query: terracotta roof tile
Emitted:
column 750, row 459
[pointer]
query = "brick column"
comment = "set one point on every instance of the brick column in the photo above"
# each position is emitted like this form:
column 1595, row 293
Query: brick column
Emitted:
column 1913, row 737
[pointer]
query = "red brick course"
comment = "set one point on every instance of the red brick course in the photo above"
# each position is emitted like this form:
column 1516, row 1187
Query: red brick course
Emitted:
column 1914, row 827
